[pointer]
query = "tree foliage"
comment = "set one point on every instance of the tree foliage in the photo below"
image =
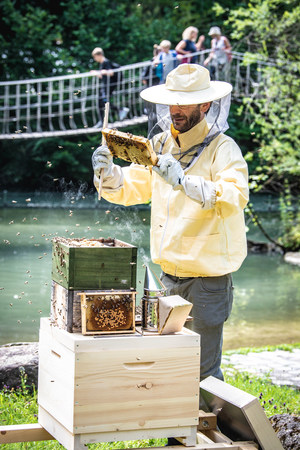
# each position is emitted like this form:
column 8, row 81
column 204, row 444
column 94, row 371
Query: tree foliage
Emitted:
column 54, row 37
column 38, row 164
column 269, row 29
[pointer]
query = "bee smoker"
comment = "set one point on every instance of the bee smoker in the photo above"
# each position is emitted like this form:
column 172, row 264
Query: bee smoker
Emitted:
column 153, row 289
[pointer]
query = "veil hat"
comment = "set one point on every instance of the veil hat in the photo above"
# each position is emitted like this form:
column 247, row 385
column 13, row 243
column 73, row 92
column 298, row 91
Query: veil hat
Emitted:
column 187, row 84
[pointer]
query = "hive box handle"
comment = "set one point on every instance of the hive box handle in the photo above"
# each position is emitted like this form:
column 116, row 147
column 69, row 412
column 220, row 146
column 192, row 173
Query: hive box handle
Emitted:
column 139, row 365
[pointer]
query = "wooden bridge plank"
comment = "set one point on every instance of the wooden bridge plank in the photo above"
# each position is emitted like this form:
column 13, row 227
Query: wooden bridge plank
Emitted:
column 23, row 433
column 58, row 133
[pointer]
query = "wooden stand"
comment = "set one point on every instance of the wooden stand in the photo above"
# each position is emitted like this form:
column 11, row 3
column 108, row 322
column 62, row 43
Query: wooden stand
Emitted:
column 113, row 388
column 207, row 436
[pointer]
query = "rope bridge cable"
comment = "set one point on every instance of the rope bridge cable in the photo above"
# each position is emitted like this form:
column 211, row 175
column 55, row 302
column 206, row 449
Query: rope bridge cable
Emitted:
column 71, row 104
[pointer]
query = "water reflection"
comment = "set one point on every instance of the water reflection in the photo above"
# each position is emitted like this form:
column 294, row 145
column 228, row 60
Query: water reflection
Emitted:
column 266, row 306
column 266, row 303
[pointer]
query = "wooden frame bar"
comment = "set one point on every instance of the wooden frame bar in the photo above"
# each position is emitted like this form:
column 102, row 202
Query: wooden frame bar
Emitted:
column 24, row 433
column 34, row 432
column 115, row 297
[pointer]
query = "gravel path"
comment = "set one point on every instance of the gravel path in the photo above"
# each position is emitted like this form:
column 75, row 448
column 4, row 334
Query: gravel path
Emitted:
column 282, row 367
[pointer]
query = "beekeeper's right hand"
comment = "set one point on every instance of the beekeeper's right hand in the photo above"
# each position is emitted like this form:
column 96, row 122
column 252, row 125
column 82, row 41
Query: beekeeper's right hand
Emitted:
column 102, row 159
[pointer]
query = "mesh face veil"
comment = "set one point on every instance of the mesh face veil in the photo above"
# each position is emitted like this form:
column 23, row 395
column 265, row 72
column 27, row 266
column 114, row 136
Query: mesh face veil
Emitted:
column 159, row 121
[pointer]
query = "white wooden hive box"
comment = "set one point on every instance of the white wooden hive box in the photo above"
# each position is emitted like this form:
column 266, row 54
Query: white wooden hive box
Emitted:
column 115, row 383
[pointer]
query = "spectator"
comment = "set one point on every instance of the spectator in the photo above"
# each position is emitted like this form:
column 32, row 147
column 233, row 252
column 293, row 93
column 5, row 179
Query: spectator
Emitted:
column 166, row 60
column 220, row 54
column 109, row 82
column 188, row 44
column 150, row 76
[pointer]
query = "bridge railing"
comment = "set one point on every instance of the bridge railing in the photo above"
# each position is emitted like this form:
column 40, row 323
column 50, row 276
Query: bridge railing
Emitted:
column 71, row 104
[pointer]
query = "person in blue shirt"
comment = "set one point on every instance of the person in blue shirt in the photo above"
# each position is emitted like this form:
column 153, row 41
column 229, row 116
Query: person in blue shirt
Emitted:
column 166, row 60
column 150, row 76
column 188, row 44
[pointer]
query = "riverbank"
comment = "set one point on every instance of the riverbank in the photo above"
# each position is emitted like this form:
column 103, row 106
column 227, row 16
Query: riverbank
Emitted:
column 292, row 258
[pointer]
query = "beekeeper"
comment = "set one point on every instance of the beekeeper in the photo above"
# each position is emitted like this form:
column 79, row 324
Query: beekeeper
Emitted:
column 198, row 190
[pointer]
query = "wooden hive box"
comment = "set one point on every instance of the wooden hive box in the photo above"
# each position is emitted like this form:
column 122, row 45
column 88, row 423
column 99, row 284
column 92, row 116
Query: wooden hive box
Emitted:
column 79, row 264
column 65, row 311
column 112, row 388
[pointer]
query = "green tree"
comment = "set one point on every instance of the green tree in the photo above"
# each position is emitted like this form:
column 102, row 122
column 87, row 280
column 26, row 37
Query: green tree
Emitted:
column 269, row 28
column 56, row 37
column 27, row 39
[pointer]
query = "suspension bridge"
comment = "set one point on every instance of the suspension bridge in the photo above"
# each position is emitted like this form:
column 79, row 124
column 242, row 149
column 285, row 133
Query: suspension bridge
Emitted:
column 69, row 105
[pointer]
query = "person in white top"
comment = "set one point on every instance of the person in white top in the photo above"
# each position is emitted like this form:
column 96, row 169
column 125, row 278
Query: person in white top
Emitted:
column 220, row 53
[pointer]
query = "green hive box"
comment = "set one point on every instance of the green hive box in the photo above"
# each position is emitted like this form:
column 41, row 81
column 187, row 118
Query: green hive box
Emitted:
column 93, row 263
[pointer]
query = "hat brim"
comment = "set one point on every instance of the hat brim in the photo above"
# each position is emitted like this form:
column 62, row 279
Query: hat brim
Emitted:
column 161, row 95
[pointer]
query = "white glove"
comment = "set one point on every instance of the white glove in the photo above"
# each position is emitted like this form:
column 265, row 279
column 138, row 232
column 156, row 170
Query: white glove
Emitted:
column 195, row 186
column 170, row 169
column 102, row 159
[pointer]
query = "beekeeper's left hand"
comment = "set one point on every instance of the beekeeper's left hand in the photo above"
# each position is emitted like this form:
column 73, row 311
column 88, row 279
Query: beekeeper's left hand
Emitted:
column 170, row 169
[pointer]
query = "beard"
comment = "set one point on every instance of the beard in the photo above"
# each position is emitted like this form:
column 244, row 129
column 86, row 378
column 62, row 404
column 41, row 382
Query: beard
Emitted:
column 183, row 123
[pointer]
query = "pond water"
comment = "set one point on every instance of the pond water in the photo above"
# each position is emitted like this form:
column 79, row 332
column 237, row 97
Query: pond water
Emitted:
column 266, row 303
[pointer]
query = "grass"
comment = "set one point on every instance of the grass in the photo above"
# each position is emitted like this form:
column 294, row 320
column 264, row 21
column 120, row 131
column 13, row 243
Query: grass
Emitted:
column 19, row 406
column 268, row 348
column 274, row 399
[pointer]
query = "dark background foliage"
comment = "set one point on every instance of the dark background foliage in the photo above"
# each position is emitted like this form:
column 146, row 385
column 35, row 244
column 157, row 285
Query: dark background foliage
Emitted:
column 55, row 37
column 44, row 38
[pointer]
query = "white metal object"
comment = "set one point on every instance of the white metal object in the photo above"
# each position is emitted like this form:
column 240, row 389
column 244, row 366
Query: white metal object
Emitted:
column 239, row 414
column 153, row 289
column 105, row 123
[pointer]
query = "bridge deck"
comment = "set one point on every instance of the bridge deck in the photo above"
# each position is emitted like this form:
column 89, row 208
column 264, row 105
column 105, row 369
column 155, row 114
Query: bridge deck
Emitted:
column 76, row 132
column 71, row 105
